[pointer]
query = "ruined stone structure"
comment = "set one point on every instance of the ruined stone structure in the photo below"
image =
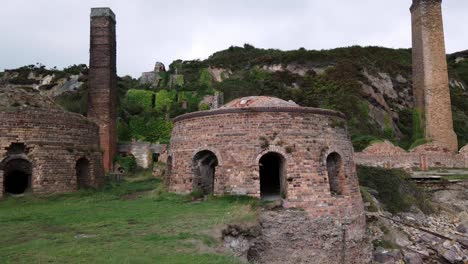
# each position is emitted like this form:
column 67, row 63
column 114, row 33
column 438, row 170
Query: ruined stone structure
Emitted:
column 44, row 149
column 430, row 76
column 212, row 101
column 424, row 157
column 144, row 152
column 102, row 94
column 271, row 149
column 153, row 77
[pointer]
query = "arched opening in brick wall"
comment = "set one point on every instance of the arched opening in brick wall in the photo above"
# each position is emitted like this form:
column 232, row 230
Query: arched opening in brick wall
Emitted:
column 204, row 171
column 335, row 173
column 83, row 178
column 17, row 176
column 272, row 167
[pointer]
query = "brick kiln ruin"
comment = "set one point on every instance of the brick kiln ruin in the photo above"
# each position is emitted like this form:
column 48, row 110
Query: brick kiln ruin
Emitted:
column 271, row 149
column 44, row 149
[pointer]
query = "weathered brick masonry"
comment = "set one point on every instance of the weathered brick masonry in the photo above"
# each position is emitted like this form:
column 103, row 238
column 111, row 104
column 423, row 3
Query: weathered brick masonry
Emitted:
column 51, row 144
column 424, row 157
column 430, row 76
column 306, row 140
column 102, row 94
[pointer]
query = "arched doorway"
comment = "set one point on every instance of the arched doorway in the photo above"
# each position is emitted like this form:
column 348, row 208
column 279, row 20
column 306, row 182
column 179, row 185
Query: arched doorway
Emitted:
column 272, row 176
column 204, row 170
column 335, row 177
column 17, row 176
column 82, row 173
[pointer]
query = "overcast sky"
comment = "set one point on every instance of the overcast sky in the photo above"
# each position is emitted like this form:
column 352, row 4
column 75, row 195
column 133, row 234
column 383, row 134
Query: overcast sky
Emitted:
column 56, row 32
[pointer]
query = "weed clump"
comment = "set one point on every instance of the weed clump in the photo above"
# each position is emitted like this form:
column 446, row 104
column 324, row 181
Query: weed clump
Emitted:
column 394, row 189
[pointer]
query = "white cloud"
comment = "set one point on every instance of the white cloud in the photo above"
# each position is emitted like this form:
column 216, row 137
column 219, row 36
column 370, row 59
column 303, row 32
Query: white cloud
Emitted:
column 56, row 32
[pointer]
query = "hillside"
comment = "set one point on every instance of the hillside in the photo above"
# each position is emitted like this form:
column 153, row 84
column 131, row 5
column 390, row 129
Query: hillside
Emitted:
column 371, row 85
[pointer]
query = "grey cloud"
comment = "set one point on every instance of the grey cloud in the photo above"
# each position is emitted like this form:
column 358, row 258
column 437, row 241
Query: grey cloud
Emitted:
column 56, row 32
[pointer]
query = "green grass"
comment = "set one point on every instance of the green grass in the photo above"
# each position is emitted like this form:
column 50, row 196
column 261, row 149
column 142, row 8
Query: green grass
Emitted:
column 119, row 224
column 455, row 177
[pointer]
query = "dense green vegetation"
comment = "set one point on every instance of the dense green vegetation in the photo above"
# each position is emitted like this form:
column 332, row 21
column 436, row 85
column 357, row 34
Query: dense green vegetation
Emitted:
column 460, row 101
column 134, row 222
column 394, row 189
column 393, row 61
column 145, row 111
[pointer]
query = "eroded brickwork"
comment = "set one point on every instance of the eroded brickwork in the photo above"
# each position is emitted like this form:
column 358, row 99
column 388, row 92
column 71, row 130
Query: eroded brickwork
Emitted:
column 293, row 236
column 424, row 157
column 245, row 130
column 102, row 94
column 55, row 141
column 430, row 76
column 240, row 136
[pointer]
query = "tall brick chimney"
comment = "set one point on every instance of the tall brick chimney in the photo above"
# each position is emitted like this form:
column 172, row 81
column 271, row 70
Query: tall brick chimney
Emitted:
column 102, row 94
column 430, row 75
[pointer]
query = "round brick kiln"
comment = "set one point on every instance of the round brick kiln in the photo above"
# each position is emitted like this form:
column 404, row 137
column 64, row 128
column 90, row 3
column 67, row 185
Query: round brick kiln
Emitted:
column 272, row 149
column 44, row 149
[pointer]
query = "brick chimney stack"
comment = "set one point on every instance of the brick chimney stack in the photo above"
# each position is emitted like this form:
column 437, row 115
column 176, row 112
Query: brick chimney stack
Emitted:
column 430, row 75
column 102, row 94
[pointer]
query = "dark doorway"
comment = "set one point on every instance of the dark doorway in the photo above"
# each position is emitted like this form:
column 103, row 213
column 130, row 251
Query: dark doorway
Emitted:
column 335, row 173
column 17, row 176
column 82, row 173
column 272, row 185
column 204, row 169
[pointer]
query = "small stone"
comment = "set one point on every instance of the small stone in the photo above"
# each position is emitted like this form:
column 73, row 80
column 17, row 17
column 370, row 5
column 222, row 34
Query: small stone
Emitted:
column 463, row 217
column 452, row 256
column 413, row 258
column 382, row 255
column 462, row 228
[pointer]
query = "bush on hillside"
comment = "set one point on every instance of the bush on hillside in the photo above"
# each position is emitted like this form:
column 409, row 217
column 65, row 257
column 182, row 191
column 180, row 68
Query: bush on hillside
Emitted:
column 395, row 191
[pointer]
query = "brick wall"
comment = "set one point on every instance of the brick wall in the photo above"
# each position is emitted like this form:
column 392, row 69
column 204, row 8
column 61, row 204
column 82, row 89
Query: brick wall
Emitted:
column 424, row 157
column 303, row 136
column 102, row 94
column 55, row 142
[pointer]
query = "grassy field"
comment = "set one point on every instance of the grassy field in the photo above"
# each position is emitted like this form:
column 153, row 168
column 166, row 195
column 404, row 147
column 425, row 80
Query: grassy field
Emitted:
column 134, row 222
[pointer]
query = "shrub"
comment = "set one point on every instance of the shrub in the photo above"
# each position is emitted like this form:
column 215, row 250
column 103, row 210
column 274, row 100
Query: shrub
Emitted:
column 141, row 98
column 76, row 102
column 367, row 197
column 395, row 192
column 127, row 162
column 164, row 100
column 360, row 142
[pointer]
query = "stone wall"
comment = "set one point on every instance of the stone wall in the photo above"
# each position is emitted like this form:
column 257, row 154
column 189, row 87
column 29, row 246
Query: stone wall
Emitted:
column 54, row 141
column 102, row 93
column 430, row 75
column 428, row 156
column 142, row 151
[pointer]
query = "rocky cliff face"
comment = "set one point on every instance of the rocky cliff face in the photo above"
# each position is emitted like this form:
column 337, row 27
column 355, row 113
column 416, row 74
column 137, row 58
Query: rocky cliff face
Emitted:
column 51, row 83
